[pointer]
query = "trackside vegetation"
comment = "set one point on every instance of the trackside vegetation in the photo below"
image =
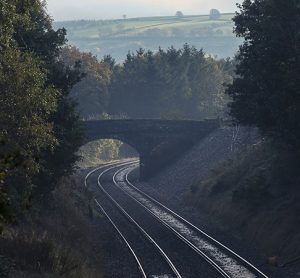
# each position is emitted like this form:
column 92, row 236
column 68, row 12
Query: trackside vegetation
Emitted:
column 170, row 84
column 256, row 192
column 266, row 91
column 40, row 134
column 40, row 129
column 183, row 83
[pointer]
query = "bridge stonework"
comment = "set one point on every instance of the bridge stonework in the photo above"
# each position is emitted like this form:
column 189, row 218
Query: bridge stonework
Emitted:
column 157, row 141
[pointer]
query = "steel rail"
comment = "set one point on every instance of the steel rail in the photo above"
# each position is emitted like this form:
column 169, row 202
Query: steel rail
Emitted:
column 192, row 246
column 118, row 162
column 213, row 241
column 124, row 239
column 140, row 267
column 227, row 249
column 162, row 253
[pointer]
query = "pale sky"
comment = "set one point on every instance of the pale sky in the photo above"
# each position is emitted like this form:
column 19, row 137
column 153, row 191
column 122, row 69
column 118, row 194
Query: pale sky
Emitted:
column 112, row 9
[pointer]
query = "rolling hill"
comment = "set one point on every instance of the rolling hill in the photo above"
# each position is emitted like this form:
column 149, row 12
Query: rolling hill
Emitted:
column 117, row 37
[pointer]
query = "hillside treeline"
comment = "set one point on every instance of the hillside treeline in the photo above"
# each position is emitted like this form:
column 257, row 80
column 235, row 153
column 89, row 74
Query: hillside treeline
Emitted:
column 40, row 130
column 171, row 84
column 266, row 91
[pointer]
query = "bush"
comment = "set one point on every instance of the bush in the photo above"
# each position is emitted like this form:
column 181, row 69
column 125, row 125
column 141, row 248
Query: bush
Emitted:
column 56, row 242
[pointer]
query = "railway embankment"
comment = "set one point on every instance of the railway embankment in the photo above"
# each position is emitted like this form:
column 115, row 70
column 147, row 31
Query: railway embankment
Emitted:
column 58, row 238
column 235, row 186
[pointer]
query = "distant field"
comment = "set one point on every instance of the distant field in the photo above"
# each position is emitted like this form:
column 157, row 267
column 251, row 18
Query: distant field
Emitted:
column 117, row 37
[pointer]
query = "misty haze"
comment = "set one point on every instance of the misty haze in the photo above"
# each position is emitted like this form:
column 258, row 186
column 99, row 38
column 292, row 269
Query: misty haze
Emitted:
column 151, row 139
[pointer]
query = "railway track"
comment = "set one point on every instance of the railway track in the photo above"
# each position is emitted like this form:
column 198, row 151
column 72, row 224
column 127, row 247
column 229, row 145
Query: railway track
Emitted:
column 150, row 259
column 172, row 246
column 228, row 263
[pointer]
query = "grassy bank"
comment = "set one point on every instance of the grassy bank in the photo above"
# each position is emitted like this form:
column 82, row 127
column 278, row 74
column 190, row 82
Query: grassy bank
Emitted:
column 256, row 194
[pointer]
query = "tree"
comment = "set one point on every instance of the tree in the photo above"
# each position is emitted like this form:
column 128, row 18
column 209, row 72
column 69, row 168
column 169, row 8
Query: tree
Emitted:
column 266, row 91
column 36, row 35
column 39, row 128
column 214, row 14
column 173, row 83
column 179, row 14
column 27, row 102
column 91, row 93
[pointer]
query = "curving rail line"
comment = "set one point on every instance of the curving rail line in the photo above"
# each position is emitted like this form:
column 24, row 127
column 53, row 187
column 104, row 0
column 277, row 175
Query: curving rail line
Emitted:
column 121, row 209
column 228, row 263
column 141, row 270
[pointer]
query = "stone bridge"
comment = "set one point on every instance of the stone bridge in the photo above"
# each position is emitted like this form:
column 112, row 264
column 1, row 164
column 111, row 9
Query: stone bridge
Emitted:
column 158, row 142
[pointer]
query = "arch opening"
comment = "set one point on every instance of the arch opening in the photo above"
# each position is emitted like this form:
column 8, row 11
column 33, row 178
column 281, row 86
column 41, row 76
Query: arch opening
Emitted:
column 101, row 151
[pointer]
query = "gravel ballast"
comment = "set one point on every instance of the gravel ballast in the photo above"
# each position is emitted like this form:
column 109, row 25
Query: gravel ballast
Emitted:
column 172, row 184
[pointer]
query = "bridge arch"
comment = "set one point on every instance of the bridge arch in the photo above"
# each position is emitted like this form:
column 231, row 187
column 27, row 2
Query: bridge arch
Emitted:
column 157, row 141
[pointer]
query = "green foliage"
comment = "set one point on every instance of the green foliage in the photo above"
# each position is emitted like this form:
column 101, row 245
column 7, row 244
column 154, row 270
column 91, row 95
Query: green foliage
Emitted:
column 34, row 32
column 253, row 193
column 27, row 104
column 171, row 84
column 266, row 90
column 58, row 245
column 97, row 152
column 168, row 84
column 39, row 127
column 7, row 19
column 251, row 177
column 91, row 93
column 246, row 178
